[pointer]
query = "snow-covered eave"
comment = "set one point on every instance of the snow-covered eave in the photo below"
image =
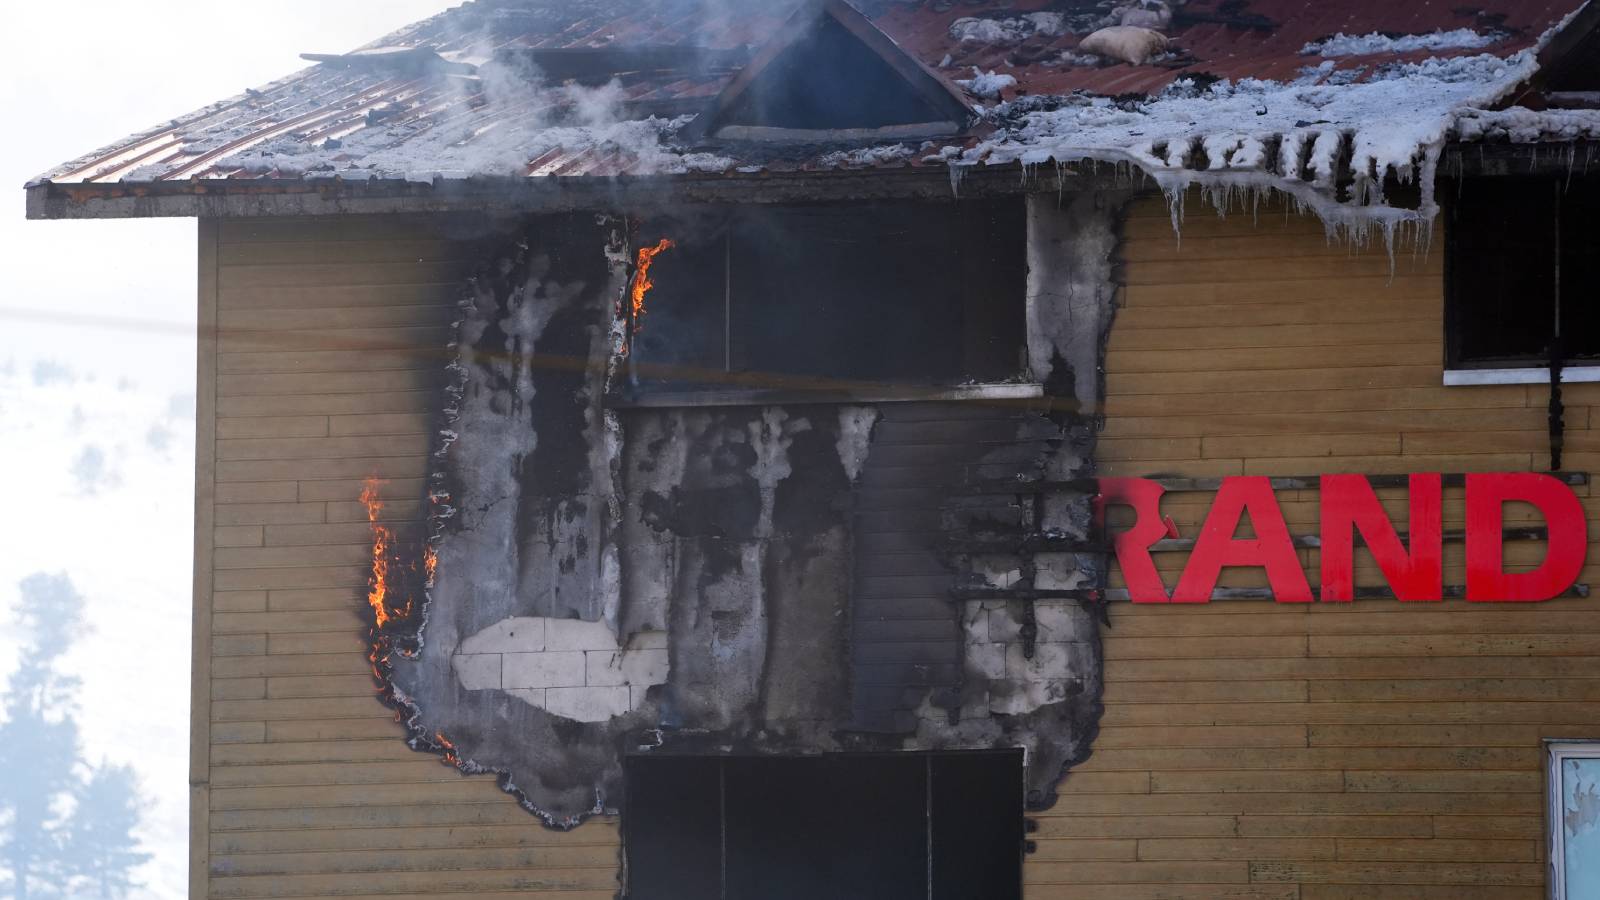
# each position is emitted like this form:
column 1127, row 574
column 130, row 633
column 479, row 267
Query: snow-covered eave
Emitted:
column 1091, row 169
column 493, row 196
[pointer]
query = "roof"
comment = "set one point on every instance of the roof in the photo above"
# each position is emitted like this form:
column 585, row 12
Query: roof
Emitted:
column 569, row 88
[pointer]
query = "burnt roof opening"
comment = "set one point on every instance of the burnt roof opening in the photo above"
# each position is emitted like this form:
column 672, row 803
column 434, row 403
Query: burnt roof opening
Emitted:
column 828, row 79
column 831, row 75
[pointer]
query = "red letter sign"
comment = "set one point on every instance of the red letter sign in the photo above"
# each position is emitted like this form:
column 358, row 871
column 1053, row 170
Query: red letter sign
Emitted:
column 1133, row 545
column 1487, row 580
column 1271, row 548
column 1349, row 504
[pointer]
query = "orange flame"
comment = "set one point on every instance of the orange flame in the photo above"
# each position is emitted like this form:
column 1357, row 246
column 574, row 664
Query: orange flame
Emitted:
column 380, row 583
column 642, row 283
column 451, row 757
column 430, row 563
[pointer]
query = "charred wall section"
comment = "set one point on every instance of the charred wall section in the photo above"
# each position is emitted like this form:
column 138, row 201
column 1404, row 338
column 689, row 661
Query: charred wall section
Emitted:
column 791, row 578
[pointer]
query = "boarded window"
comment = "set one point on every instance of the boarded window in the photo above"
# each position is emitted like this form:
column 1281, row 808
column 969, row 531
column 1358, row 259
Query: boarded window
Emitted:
column 1522, row 272
column 836, row 296
column 845, row 827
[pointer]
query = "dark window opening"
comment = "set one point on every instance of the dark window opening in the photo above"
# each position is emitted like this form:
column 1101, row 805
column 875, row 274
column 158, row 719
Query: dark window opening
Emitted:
column 835, row 296
column 903, row 826
column 1521, row 272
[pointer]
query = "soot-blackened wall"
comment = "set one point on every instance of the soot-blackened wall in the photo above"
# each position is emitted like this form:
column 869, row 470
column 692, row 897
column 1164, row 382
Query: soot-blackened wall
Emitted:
column 801, row 578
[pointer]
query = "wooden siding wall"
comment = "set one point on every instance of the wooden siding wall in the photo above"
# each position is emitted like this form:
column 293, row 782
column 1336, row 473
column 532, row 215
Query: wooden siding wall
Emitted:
column 326, row 370
column 1250, row 752
column 1371, row 751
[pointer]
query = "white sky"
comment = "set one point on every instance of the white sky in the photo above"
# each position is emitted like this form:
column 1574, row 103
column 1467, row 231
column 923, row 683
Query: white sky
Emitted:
column 97, row 389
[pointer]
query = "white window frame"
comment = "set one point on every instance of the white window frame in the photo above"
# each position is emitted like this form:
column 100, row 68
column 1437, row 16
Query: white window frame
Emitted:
column 1534, row 374
column 1559, row 752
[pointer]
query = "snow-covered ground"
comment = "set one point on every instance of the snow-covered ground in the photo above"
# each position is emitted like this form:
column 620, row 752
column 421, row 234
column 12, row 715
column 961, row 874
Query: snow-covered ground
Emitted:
column 100, row 474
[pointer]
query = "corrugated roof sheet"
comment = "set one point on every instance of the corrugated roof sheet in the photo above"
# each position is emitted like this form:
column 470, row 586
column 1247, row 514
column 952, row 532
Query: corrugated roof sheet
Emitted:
column 423, row 104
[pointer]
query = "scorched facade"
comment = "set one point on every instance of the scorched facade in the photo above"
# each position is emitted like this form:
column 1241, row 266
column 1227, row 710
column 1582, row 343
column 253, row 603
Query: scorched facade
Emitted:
column 805, row 510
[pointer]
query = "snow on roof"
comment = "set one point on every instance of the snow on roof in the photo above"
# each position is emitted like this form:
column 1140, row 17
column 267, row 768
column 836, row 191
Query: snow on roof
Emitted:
column 1302, row 137
column 1378, row 43
column 541, row 88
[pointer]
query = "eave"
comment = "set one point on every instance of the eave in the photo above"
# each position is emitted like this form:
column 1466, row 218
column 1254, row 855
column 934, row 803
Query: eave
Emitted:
column 245, row 198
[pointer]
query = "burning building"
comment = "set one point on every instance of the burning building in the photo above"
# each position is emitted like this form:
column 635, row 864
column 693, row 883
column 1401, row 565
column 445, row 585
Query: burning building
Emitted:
column 804, row 449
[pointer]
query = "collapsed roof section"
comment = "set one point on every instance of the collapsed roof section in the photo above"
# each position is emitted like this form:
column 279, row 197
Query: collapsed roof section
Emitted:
column 538, row 101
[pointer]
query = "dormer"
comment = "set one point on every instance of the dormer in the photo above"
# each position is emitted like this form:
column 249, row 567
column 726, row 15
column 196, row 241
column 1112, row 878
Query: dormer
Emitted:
column 831, row 75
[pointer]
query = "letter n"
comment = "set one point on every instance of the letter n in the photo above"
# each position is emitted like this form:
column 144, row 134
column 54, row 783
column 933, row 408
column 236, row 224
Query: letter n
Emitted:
column 1349, row 505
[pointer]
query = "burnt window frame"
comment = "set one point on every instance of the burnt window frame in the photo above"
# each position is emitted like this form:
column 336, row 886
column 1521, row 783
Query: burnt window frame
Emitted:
column 991, row 340
column 1512, row 367
column 1000, row 831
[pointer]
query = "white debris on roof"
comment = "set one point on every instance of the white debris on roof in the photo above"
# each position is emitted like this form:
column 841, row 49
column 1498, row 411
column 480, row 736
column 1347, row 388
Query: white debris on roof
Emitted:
column 1328, row 146
column 1145, row 14
column 1011, row 30
column 1132, row 44
column 1377, row 42
column 865, row 157
column 987, row 85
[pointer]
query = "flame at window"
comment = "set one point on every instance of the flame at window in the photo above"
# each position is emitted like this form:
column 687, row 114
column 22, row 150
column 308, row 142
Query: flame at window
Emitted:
column 641, row 287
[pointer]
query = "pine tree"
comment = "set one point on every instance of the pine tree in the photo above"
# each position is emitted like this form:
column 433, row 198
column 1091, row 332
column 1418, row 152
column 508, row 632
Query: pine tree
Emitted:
column 39, row 740
column 101, row 834
column 65, row 829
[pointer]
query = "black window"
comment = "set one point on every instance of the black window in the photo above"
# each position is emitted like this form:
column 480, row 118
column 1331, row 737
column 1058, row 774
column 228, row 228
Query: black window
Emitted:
column 1522, row 271
column 833, row 296
column 844, row 827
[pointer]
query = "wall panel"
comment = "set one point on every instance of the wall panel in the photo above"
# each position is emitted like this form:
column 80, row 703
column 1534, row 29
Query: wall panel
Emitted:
column 1372, row 750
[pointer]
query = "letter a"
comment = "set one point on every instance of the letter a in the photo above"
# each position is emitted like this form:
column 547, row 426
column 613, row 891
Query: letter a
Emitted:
column 1217, row 548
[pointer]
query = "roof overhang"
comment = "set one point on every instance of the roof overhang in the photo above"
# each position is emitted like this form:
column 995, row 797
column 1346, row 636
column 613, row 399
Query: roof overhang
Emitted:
column 229, row 198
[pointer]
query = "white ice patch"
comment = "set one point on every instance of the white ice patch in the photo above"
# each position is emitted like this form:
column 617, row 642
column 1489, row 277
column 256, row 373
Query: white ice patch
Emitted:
column 573, row 669
column 855, row 438
column 987, row 85
column 1375, row 43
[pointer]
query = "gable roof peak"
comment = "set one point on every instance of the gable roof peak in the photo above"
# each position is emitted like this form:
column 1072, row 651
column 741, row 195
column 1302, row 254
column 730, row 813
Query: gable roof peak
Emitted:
column 829, row 73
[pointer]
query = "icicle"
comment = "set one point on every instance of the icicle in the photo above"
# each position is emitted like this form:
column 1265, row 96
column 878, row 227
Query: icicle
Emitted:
column 1175, row 193
column 958, row 174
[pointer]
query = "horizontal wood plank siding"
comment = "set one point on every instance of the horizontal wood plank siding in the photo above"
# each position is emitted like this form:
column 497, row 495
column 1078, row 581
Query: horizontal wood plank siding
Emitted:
column 330, row 347
column 1372, row 750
